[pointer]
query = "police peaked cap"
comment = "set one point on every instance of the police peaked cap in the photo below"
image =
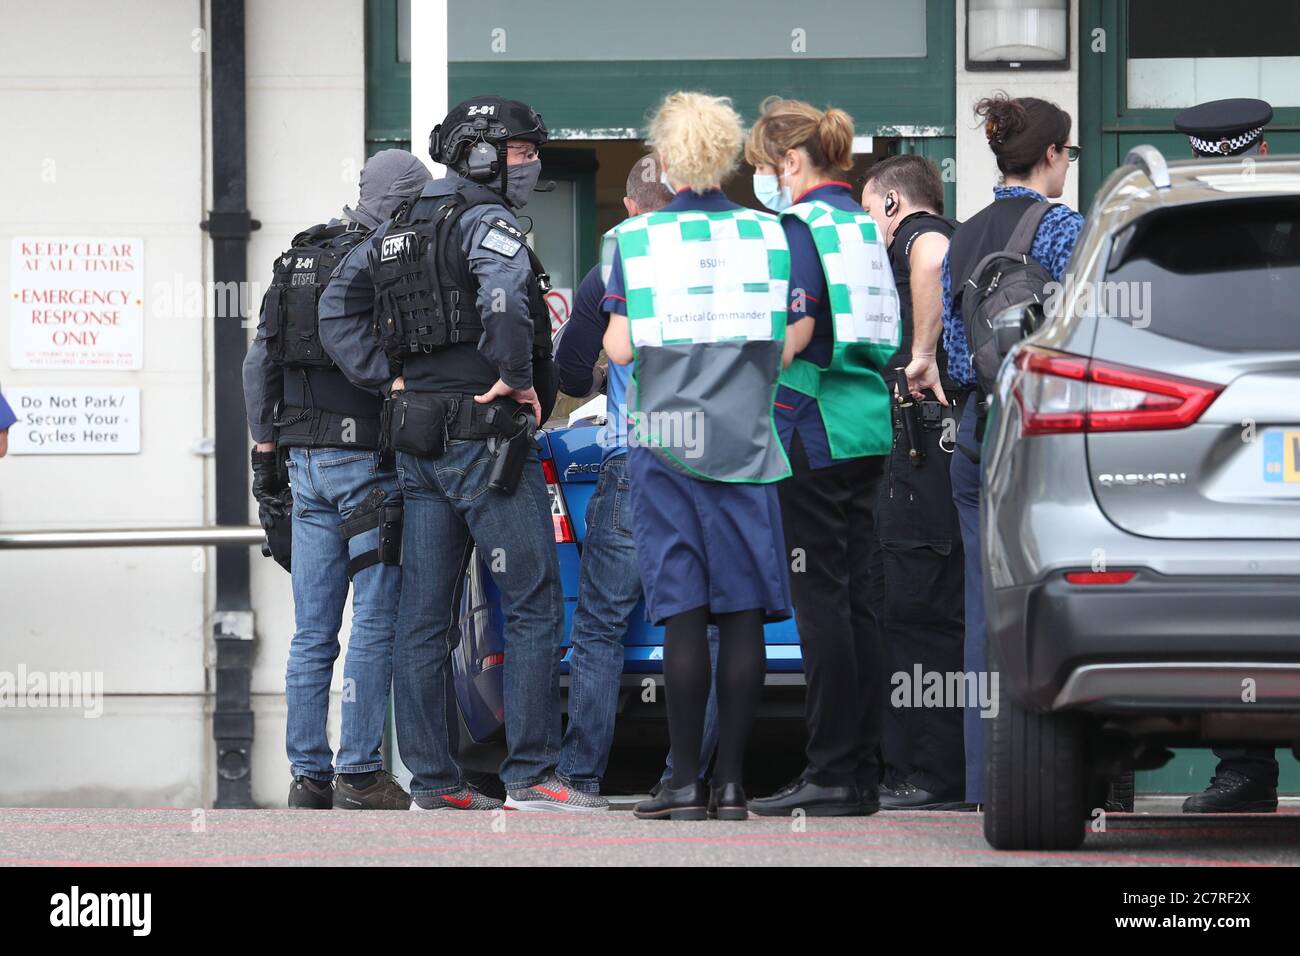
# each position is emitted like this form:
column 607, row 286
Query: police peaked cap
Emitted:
column 1224, row 127
column 492, row 119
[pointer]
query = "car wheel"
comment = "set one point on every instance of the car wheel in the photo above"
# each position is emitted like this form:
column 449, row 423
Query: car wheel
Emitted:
column 1037, row 780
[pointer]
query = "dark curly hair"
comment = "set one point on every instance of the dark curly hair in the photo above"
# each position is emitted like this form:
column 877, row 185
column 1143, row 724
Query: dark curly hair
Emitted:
column 1019, row 130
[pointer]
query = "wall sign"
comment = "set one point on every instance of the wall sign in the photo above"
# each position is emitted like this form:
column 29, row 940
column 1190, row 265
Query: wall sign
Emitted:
column 76, row 303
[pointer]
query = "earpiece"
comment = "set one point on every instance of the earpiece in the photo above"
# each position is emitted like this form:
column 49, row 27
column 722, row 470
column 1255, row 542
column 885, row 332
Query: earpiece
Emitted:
column 482, row 163
column 891, row 203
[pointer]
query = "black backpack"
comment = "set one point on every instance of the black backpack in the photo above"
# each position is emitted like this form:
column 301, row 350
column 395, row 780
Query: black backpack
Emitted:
column 1000, row 281
column 299, row 277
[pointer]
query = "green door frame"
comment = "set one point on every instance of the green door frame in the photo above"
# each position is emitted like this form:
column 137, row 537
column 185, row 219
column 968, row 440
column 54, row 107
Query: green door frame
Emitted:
column 1105, row 120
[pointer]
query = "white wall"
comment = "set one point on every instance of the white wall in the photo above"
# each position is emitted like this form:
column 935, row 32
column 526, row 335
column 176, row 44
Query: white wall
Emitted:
column 977, row 171
column 105, row 110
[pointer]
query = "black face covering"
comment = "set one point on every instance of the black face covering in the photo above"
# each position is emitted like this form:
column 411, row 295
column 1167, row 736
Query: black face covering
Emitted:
column 520, row 181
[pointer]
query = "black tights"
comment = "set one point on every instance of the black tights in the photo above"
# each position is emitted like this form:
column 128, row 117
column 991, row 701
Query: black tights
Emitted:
column 742, row 661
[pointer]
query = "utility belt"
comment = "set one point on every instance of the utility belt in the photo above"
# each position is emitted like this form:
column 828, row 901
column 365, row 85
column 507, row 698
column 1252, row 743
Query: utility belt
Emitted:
column 316, row 428
column 913, row 417
column 422, row 423
column 375, row 512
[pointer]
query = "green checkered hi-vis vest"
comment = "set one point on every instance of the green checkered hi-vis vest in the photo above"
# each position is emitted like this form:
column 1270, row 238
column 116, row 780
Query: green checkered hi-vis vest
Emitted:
column 706, row 306
column 850, row 392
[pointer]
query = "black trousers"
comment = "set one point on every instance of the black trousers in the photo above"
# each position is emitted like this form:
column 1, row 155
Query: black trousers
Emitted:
column 829, row 522
column 923, row 627
column 1258, row 763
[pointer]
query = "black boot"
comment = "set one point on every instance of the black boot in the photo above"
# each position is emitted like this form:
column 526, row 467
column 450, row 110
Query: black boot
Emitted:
column 727, row 802
column 306, row 793
column 690, row 802
column 814, row 800
column 1233, row 792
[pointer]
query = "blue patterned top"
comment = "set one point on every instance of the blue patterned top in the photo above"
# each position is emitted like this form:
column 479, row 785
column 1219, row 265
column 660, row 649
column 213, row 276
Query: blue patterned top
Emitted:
column 1053, row 246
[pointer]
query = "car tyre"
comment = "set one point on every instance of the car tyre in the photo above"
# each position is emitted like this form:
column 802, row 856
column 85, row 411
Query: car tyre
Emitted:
column 1037, row 779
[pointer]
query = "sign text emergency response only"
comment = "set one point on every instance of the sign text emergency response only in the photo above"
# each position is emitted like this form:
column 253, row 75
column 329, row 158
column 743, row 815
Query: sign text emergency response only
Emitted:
column 76, row 303
column 75, row 421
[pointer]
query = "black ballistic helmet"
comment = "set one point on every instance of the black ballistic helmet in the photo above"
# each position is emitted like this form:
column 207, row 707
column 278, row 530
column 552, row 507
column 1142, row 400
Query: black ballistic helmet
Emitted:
column 472, row 139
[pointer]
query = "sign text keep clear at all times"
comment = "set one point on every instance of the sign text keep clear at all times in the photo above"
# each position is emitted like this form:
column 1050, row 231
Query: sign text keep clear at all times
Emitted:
column 76, row 304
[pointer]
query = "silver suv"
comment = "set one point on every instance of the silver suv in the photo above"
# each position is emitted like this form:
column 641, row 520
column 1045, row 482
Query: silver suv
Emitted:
column 1141, row 501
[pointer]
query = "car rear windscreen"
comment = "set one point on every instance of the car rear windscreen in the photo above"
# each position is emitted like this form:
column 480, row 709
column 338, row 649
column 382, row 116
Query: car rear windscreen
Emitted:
column 1223, row 275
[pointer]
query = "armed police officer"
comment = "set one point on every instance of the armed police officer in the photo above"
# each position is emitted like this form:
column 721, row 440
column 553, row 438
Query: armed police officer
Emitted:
column 1245, row 780
column 463, row 347
column 303, row 413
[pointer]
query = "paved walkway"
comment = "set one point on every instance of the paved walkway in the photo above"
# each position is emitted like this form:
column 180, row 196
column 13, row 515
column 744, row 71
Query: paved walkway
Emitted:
column 150, row 837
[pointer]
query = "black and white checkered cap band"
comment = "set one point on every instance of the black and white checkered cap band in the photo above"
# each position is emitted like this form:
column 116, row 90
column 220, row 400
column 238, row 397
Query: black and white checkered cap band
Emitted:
column 1225, row 147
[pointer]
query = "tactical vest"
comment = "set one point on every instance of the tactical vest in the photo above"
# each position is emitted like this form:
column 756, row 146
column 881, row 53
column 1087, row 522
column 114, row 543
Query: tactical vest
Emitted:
column 850, row 391
column 319, row 407
column 706, row 305
column 426, row 295
column 300, row 276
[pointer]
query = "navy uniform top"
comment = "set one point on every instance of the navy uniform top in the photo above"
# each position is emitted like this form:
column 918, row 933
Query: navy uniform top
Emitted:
column 503, row 269
column 578, row 351
column 796, row 413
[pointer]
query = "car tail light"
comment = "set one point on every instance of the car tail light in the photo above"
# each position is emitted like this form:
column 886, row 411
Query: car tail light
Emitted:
column 1099, row 577
column 559, row 510
column 1059, row 393
column 492, row 660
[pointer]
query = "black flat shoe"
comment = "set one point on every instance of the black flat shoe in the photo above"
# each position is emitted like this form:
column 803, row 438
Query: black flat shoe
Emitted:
column 910, row 797
column 727, row 802
column 690, row 802
column 814, row 800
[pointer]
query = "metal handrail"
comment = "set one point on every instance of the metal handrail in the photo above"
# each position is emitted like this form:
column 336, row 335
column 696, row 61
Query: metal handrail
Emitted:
column 136, row 538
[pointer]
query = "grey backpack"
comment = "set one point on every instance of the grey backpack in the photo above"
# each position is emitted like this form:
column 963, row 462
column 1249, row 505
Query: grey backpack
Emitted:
column 1001, row 280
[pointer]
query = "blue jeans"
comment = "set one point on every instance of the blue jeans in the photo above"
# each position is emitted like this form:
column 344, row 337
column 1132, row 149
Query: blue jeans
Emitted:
column 328, row 485
column 965, row 476
column 608, row 590
column 449, row 509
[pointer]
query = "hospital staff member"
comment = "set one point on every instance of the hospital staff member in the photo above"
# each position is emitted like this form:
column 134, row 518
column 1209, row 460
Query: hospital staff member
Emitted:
column 696, row 294
column 832, row 411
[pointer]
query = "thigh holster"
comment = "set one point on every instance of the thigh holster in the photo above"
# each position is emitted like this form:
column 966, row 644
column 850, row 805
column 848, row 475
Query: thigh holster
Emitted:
column 375, row 512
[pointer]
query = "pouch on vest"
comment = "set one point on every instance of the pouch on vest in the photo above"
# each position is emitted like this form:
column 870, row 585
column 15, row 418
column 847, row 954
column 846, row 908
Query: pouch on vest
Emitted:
column 418, row 424
column 299, row 276
column 865, row 317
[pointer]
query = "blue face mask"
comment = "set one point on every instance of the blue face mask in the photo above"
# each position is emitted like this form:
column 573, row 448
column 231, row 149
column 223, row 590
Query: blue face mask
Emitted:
column 770, row 193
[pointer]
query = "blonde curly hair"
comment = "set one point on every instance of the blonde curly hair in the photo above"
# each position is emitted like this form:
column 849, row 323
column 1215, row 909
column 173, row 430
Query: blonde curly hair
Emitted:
column 698, row 138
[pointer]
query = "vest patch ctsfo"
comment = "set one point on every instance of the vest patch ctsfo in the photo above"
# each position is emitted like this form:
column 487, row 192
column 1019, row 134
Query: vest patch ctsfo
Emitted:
column 498, row 241
column 397, row 246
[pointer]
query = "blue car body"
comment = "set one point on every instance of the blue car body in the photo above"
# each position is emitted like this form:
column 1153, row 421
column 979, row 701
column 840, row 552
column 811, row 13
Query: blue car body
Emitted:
column 572, row 457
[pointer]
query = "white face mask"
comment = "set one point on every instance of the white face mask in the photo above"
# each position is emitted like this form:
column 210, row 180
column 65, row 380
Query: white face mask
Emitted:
column 769, row 191
column 663, row 178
